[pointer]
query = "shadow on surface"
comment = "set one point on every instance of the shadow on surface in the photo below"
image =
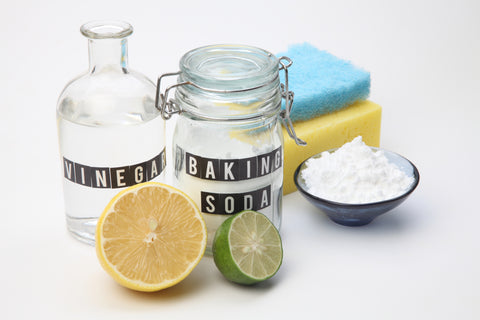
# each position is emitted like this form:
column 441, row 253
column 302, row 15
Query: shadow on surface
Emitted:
column 197, row 280
column 395, row 221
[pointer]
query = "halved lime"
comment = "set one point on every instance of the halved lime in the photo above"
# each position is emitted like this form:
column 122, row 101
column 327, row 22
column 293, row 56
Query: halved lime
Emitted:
column 247, row 248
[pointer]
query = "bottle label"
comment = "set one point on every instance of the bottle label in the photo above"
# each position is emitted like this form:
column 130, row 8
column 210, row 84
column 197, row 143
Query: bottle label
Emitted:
column 229, row 203
column 112, row 178
column 233, row 169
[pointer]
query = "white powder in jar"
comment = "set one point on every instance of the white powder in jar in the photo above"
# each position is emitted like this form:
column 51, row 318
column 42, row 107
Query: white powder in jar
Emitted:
column 354, row 174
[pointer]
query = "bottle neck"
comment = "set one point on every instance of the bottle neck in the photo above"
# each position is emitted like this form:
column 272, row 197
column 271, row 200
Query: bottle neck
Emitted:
column 107, row 54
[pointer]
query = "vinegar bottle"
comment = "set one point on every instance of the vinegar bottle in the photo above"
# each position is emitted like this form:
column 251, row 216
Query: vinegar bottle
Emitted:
column 110, row 133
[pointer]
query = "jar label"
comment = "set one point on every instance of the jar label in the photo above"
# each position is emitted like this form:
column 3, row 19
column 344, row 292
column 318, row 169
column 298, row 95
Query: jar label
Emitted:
column 233, row 169
column 112, row 178
column 229, row 203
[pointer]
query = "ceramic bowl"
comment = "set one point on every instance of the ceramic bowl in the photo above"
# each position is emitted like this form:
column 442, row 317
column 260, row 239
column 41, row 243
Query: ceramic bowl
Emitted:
column 359, row 214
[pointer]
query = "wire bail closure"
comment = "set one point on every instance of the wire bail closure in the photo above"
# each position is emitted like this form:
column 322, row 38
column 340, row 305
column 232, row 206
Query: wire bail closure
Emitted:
column 168, row 107
column 288, row 96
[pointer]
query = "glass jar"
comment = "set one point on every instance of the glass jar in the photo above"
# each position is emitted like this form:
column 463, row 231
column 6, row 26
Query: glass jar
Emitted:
column 110, row 133
column 228, row 142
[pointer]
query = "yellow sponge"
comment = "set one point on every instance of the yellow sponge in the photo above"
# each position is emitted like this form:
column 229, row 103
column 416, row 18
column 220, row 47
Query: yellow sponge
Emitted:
column 330, row 131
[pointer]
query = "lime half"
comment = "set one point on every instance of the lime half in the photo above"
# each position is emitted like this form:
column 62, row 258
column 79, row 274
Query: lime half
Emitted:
column 247, row 248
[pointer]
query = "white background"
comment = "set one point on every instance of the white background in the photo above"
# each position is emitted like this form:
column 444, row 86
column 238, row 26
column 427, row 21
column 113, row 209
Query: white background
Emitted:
column 420, row 261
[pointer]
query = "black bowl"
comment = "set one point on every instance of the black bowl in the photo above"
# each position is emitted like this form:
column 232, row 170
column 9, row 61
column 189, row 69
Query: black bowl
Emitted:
column 359, row 214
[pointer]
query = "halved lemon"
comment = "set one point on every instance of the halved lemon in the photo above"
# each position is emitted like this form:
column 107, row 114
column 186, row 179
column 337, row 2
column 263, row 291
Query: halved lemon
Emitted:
column 150, row 237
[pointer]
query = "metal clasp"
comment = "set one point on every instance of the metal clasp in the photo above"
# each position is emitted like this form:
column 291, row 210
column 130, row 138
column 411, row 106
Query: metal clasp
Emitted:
column 170, row 107
column 167, row 107
column 288, row 96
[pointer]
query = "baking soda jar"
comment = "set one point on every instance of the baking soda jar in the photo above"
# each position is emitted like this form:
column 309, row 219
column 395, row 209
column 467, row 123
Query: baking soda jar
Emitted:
column 110, row 133
column 228, row 141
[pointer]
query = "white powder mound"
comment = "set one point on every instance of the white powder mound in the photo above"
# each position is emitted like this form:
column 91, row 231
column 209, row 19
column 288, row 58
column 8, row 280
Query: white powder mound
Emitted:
column 355, row 174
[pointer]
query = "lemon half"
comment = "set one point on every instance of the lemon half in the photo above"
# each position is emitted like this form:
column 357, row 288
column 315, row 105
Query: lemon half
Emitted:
column 150, row 237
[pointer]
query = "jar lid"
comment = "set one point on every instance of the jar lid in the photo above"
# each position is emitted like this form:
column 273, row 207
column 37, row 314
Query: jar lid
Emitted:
column 229, row 81
column 229, row 67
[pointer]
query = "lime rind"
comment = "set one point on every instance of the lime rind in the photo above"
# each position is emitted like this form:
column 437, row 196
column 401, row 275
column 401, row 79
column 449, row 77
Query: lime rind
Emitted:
column 247, row 248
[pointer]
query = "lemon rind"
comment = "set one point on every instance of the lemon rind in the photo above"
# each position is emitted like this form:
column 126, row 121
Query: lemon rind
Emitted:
column 138, row 284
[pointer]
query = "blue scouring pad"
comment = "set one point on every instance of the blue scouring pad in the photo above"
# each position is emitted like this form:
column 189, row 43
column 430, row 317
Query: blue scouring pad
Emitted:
column 321, row 82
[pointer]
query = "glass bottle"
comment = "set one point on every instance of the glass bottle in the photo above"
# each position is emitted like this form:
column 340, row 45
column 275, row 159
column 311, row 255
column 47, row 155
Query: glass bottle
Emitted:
column 110, row 133
column 228, row 140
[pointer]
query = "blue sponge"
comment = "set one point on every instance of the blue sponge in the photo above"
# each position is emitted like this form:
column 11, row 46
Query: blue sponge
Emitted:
column 321, row 82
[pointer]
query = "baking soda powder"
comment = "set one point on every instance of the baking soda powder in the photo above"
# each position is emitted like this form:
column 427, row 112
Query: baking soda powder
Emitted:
column 355, row 174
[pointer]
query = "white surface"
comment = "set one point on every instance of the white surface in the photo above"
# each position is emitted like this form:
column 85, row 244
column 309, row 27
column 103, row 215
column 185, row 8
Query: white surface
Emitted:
column 420, row 261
